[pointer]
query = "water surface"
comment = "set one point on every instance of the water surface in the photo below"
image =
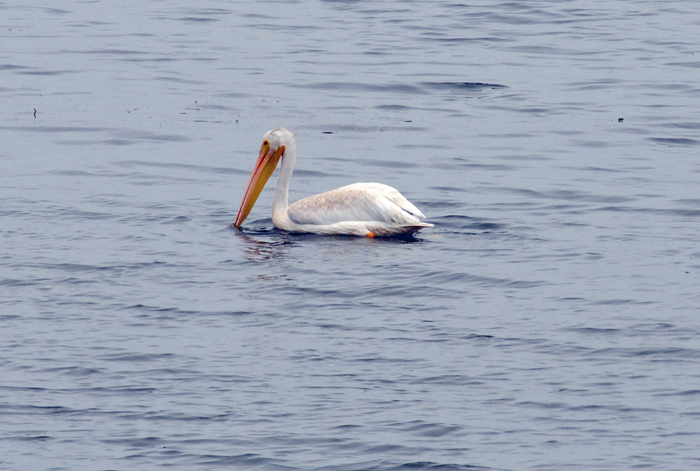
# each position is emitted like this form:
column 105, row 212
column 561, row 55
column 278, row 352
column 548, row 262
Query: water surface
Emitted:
column 548, row 321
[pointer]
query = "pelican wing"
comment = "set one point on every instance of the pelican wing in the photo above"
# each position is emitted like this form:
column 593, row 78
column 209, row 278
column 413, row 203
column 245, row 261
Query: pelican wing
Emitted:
column 357, row 202
column 392, row 194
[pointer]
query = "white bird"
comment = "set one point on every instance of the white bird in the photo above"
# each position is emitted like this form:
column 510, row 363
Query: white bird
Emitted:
column 361, row 209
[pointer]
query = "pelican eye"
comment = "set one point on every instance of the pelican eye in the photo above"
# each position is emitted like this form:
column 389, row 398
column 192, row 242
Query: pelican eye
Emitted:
column 266, row 143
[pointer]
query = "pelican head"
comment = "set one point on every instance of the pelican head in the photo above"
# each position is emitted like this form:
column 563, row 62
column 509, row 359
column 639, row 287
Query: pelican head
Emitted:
column 271, row 151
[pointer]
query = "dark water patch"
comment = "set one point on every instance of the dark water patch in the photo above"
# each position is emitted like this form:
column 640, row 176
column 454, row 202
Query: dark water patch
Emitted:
column 314, row 173
column 395, row 164
column 78, row 142
column 177, row 220
column 78, row 214
column 569, row 195
column 689, row 202
column 466, row 223
column 686, row 125
column 686, row 392
column 197, row 19
column 133, row 59
column 665, row 352
column 430, row 466
column 619, row 409
column 459, row 163
column 178, row 166
column 11, row 408
column 452, row 189
column 207, row 106
column 383, row 360
column 358, row 128
column 328, row 326
column 424, row 429
column 363, row 87
column 171, row 79
column 258, row 15
column 48, row 73
column 12, row 67
column 42, row 410
column 209, row 11
column 593, row 144
column 618, row 302
column 112, row 52
column 675, row 87
column 458, row 40
column 463, row 278
column 18, row 283
column 112, row 391
column 76, row 267
column 385, row 449
column 163, row 312
column 137, row 358
column 675, row 141
column 535, row 110
column 544, row 405
column 232, row 95
column 594, row 169
column 313, row 355
column 71, row 173
column 686, row 213
column 422, row 146
column 178, row 416
column 145, row 442
column 29, row 438
column 691, row 64
column 532, row 50
column 393, row 107
column 594, row 330
column 54, row 129
column 477, row 337
column 56, row 11
column 450, row 380
column 661, row 354
column 526, row 157
column 657, row 327
column 134, row 135
column 73, row 371
column 593, row 85
column 246, row 460
column 463, row 86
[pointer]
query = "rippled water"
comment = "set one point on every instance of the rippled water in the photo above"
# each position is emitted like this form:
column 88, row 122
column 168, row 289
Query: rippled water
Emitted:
column 548, row 321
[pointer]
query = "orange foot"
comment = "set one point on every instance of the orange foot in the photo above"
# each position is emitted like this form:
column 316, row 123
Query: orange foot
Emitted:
column 370, row 235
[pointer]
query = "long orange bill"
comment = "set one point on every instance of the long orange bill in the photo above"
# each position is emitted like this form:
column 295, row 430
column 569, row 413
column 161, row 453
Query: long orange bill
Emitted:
column 264, row 167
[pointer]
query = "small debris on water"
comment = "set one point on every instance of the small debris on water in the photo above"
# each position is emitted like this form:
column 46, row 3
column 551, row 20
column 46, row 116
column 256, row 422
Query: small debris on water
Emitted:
column 619, row 120
column 35, row 112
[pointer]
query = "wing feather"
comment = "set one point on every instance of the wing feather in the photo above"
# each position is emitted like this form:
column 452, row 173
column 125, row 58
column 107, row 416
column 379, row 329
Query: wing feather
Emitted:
column 357, row 202
column 392, row 194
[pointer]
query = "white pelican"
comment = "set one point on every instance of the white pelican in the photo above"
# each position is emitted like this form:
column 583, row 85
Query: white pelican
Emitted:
column 361, row 209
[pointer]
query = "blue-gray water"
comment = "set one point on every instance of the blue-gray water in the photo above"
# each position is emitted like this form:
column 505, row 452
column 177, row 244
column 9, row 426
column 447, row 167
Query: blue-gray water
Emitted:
column 549, row 321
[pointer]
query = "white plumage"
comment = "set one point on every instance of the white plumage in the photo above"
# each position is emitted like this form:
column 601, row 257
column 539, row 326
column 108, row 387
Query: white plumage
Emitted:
column 362, row 209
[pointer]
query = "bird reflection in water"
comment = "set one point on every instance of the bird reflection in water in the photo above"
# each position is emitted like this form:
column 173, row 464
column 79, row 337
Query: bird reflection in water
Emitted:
column 259, row 250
